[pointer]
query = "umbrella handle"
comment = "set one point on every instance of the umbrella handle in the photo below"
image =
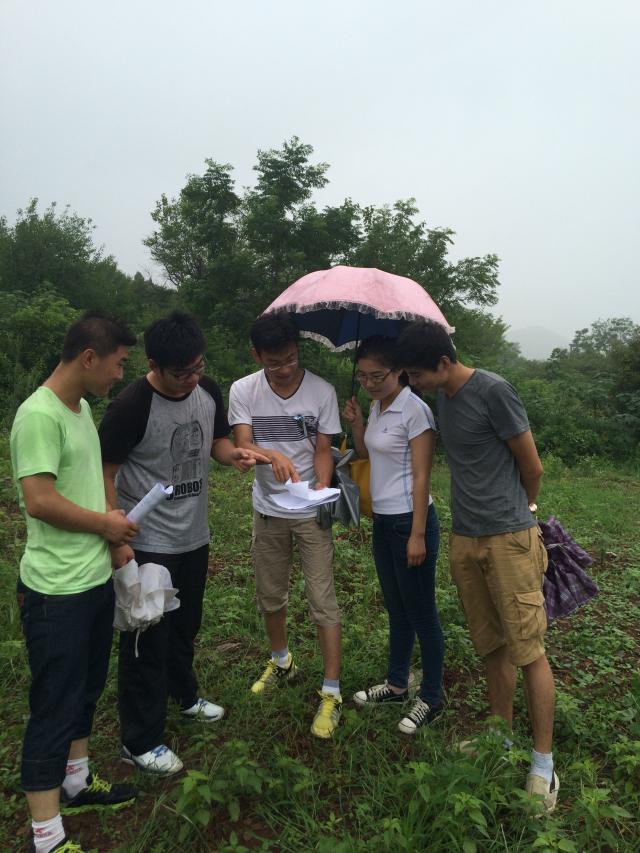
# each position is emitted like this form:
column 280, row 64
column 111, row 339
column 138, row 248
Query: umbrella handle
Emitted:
column 355, row 349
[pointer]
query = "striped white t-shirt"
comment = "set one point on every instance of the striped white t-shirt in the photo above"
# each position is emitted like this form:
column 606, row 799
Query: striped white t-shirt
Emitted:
column 289, row 425
column 387, row 439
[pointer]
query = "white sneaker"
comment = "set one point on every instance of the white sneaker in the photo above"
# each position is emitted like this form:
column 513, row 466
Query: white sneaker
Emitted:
column 204, row 711
column 547, row 794
column 160, row 760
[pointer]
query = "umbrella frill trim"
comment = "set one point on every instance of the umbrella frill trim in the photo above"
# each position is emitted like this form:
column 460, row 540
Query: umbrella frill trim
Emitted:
column 335, row 305
column 315, row 336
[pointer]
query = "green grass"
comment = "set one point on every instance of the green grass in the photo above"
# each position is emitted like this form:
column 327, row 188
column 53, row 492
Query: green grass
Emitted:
column 259, row 781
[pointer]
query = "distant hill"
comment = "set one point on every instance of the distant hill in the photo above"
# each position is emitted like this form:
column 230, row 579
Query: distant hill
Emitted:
column 536, row 341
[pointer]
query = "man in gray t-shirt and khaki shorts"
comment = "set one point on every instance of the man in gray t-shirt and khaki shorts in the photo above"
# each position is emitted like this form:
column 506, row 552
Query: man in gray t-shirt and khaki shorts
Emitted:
column 496, row 554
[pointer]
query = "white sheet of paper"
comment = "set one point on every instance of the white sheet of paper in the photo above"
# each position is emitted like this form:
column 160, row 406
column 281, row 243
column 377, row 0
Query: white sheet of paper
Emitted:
column 149, row 502
column 293, row 504
column 303, row 491
column 300, row 497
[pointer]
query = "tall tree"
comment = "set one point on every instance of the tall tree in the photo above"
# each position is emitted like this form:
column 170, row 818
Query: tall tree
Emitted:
column 230, row 256
column 393, row 240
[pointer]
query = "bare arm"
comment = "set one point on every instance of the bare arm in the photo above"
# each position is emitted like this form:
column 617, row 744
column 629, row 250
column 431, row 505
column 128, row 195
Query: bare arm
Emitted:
column 525, row 453
column 323, row 460
column 109, row 471
column 224, row 451
column 422, row 447
column 352, row 413
column 120, row 554
column 283, row 468
column 44, row 502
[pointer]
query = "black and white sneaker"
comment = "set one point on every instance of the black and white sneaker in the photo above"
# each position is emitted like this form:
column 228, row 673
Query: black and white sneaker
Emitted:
column 421, row 714
column 378, row 694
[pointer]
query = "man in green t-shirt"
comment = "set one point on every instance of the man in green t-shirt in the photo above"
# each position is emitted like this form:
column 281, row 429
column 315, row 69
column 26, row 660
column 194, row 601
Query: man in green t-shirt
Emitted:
column 65, row 590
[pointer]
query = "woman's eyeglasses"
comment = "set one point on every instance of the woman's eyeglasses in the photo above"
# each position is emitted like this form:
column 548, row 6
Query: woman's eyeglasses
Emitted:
column 371, row 378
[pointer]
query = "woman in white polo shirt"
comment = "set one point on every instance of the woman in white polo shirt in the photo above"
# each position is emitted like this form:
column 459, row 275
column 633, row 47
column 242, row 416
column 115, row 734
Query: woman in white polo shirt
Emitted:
column 399, row 440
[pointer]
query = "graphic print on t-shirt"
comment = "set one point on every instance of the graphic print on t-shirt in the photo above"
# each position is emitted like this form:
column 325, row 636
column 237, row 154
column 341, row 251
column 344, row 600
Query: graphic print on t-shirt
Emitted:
column 186, row 445
column 283, row 427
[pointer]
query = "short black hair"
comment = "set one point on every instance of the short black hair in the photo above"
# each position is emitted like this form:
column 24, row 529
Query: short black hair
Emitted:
column 96, row 331
column 423, row 344
column 379, row 347
column 272, row 332
column 174, row 341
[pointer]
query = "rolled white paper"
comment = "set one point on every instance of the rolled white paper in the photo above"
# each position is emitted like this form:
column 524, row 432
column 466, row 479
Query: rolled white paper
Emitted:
column 149, row 502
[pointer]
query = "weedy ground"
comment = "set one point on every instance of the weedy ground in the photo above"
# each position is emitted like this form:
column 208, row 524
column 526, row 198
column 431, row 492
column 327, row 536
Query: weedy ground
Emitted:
column 258, row 780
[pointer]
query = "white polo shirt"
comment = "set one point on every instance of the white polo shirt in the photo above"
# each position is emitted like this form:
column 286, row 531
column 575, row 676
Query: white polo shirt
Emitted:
column 387, row 439
column 290, row 425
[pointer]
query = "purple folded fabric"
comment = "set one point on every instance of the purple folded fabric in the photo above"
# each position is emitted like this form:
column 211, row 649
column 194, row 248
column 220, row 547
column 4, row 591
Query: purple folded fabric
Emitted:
column 566, row 585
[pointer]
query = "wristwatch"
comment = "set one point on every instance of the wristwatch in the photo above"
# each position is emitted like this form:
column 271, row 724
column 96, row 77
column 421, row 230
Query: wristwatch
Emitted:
column 533, row 507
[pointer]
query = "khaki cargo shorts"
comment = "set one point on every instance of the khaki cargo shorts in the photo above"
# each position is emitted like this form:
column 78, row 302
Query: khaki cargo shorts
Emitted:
column 499, row 580
column 272, row 553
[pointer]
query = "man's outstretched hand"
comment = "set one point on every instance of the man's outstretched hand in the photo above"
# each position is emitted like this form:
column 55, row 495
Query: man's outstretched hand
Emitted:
column 244, row 460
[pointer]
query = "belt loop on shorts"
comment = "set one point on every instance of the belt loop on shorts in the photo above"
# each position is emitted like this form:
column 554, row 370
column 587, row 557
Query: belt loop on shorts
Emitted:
column 263, row 516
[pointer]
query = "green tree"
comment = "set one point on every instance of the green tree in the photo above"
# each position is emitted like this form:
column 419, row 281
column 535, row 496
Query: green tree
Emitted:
column 51, row 247
column 394, row 241
column 229, row 257
column 55, row 251
column 603, row 335
column 32, row 327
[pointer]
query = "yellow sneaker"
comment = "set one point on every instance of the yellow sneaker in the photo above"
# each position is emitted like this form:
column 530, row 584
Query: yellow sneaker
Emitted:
column 327, row 716
column 274, row 674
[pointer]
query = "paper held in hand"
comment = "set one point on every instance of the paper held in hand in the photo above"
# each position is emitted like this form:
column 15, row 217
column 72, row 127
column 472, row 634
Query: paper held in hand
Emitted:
column 149, row 502
column 298, row 497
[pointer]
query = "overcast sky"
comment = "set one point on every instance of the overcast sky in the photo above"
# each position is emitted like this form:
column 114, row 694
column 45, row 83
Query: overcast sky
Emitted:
column 515, row 123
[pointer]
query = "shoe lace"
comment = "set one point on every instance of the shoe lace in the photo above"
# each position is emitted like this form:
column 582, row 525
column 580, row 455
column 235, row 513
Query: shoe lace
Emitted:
column 98, row 784
column 270, row 670
column 328, row 704
column 419, row 710
column 379, row 690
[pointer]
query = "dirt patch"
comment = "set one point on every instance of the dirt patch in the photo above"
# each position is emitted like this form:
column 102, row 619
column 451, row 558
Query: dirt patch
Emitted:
column 216, row 565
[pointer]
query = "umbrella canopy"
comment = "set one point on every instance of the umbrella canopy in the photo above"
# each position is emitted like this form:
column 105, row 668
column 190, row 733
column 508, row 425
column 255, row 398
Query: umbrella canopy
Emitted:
column 342, row 305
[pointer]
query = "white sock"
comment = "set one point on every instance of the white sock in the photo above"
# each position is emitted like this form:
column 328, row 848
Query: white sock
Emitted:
column 76, row 776
column 47, row 833
column 542, row 765
column 281, row 656
column 331, row 685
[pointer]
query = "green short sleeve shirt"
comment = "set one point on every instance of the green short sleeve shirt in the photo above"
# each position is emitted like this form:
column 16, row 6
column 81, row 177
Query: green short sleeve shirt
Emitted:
column 49, row 438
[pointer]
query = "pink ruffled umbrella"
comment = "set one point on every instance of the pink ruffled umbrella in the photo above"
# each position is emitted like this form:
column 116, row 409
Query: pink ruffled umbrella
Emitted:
column 343, row 305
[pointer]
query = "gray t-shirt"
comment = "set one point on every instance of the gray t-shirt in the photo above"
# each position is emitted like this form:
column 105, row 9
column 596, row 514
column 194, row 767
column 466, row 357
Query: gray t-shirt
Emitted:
column 487, row 496
column 158, row 439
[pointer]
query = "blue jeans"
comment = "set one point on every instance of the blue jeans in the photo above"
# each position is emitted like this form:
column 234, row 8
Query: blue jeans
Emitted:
column 68, row 644
column 410, row 598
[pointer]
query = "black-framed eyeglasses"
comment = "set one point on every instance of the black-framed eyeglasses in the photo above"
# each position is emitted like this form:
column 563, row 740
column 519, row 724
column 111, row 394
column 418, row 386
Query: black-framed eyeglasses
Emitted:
column 198, row 370
column 372, row 378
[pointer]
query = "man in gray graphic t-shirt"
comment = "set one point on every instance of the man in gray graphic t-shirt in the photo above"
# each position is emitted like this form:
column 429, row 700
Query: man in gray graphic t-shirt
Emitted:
column 162, row 429
column 496, row 554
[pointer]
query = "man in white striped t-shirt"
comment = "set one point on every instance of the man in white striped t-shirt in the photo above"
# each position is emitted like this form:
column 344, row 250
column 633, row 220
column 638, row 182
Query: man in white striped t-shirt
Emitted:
column 289, row 415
